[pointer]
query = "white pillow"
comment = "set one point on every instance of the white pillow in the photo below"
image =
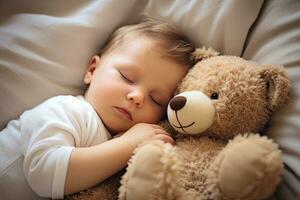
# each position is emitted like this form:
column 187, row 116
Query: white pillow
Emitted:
column 45, row 47
column 223, row 25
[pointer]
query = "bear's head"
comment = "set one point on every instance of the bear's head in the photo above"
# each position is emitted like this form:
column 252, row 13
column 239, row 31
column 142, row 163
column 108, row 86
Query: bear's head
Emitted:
column 222, row 96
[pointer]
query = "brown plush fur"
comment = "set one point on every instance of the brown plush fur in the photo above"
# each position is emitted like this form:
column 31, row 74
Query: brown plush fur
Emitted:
column 230, row 160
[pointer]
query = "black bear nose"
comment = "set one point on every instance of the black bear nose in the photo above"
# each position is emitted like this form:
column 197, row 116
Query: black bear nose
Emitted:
column 177, row 103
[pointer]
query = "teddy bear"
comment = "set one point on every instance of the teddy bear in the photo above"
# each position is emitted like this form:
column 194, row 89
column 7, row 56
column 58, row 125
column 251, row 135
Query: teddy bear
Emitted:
column 217, row 116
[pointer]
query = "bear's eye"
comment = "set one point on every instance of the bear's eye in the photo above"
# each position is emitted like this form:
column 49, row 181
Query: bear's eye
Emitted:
column 214, row 95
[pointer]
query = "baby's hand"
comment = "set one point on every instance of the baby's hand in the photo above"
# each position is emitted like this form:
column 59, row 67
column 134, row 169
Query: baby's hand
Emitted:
column 142, row 132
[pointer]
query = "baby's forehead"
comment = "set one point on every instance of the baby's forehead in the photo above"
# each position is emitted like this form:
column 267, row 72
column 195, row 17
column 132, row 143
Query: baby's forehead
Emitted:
column 141, row 47
column 166, row 48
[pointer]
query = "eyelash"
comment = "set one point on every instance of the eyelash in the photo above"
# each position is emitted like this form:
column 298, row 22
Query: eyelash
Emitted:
column 130, row 81
column 153, row 100
column 125, row 78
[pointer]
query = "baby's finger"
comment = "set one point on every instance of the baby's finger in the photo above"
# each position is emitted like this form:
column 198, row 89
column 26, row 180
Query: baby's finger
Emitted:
column 162, row 131
column 165, row 138
column 156, row 126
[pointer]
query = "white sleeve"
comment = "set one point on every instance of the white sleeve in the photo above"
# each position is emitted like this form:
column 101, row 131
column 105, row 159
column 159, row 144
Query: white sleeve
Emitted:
column 49, row 134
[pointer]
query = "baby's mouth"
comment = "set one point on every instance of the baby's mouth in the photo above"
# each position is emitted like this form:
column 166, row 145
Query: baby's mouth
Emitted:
column 124, row 112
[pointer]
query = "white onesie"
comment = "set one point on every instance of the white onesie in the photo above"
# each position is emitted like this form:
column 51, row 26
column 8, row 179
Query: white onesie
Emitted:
column 35, row 149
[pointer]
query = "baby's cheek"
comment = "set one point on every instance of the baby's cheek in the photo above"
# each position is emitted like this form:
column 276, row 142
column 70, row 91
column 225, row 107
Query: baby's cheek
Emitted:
column 154, row 115
column 111, row 89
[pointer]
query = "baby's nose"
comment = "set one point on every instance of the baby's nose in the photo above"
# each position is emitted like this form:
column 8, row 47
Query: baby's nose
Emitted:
column 136, row 101
column 177, row 103
column 136, row 97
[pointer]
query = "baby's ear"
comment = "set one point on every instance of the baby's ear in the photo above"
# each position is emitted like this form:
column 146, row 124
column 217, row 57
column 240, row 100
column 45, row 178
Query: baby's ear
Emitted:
column 93, row 64
column 277, row 85
column 203, row 53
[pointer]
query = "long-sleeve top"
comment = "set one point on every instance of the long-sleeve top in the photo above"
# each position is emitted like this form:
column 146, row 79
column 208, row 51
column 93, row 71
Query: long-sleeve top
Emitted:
column 35, row 149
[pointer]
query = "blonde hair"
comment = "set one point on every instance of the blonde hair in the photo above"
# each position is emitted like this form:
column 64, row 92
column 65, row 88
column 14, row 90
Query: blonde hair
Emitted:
column 174, row 44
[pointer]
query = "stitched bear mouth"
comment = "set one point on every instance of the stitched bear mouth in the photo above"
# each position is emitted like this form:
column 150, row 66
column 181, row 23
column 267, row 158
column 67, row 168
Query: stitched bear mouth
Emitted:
column 180, row 125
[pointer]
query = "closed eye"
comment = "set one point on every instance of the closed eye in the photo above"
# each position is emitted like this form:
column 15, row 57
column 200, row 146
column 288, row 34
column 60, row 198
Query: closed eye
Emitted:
column 125, row 78
column 155, row 101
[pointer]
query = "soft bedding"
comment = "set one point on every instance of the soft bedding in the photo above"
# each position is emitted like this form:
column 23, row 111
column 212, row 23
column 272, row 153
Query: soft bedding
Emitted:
column 45, row 46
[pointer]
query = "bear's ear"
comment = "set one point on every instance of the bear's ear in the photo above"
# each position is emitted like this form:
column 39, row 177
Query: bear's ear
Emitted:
column 203, row 53
column 277, row 85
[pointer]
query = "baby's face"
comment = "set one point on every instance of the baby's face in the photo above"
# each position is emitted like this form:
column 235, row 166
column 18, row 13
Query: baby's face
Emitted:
column 131, row 84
